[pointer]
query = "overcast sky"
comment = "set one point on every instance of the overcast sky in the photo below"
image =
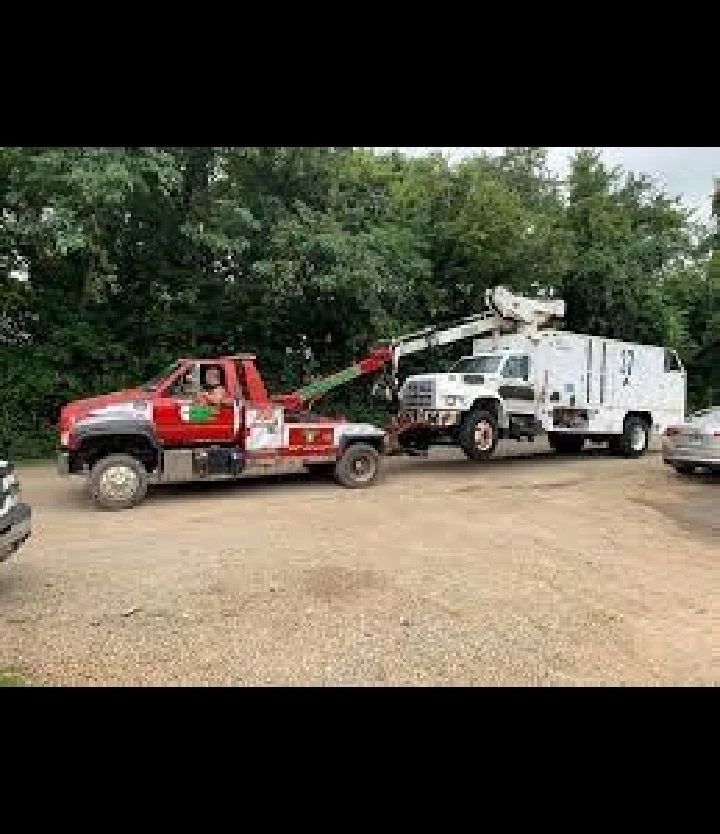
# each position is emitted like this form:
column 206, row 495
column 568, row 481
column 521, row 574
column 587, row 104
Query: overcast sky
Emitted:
column 684, row 172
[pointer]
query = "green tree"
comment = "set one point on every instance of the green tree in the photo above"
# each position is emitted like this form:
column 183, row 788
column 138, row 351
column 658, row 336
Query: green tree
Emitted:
column 114, row 261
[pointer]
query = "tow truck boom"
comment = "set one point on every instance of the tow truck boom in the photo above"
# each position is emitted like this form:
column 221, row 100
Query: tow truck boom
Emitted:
column 506, row 312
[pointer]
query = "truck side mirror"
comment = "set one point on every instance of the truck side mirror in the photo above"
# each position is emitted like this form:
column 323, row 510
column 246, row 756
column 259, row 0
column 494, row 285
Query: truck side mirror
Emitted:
column 382, row 390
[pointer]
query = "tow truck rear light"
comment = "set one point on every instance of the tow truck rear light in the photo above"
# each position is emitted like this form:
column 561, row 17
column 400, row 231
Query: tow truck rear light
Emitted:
column 672, row 431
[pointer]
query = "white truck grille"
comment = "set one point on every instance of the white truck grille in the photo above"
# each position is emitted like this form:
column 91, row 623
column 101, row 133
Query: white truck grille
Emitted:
column 419, row 394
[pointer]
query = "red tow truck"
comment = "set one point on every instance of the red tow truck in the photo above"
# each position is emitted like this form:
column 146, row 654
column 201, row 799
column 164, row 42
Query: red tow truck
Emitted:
column 163, row 432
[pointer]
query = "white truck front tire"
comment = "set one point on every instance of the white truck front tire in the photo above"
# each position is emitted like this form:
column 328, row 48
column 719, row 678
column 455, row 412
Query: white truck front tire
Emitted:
column 479, row 434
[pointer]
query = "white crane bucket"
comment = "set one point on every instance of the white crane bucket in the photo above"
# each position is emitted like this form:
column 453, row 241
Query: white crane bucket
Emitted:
column 530, row 311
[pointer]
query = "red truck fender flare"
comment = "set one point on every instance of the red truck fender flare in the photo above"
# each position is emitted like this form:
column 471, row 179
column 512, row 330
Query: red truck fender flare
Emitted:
column 117, row 427
column 379, row 440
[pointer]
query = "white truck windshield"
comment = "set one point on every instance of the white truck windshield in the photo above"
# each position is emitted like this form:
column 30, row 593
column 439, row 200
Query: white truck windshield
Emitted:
column 477, row 365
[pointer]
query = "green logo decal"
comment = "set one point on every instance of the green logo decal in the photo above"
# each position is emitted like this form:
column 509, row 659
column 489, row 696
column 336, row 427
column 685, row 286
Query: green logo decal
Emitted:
column 198, row 413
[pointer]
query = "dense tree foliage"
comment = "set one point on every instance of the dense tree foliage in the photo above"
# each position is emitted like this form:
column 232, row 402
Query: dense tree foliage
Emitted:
column 113, row 261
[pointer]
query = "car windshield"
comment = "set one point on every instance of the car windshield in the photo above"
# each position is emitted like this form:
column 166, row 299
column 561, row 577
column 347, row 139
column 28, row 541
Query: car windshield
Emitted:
column 707, row 417
column 152, row 384
column 477, row 365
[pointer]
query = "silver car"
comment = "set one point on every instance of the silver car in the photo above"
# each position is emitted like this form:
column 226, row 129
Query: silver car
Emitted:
column 694, row 444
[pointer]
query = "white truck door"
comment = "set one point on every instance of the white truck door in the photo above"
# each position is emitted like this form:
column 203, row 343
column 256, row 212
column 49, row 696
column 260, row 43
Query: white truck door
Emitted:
column 517, row 386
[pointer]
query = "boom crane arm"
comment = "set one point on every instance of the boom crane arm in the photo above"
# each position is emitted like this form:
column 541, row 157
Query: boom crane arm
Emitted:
column 506, row 312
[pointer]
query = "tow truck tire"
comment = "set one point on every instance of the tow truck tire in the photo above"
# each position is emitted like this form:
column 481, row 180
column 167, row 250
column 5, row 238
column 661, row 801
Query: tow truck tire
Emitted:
column 566, row 444
column 479, row 434
column 358, row 467
column 634, row 441
column 118, row 482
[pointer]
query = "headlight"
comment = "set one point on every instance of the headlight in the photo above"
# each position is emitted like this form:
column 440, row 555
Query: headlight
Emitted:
column 453, row 401
column 64, row 439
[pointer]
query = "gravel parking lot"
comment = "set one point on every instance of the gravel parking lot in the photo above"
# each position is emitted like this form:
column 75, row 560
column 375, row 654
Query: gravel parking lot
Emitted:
column 530, row 569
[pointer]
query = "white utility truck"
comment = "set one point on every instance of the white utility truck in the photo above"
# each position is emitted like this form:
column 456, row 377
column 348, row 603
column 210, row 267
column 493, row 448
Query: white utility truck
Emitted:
column 522, row 381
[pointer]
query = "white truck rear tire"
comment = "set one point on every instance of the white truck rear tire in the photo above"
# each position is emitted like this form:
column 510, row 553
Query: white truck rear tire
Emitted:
column 635, row 439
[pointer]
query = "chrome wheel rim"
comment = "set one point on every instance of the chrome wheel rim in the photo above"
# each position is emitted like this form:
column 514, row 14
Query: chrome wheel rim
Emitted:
column 483, row 436
column 363, row 468
column 637, row 438
column 118, row 483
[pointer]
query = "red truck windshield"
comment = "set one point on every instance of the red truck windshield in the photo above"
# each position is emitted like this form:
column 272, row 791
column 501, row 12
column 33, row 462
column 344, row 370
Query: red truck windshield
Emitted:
column 154, row 383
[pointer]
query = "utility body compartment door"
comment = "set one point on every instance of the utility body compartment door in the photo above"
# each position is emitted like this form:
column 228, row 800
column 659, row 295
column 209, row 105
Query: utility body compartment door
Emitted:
column 564, row 361
column 636, row 374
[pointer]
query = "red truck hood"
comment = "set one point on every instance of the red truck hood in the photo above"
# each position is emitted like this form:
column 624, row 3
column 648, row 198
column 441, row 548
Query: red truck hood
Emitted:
column 77, row 409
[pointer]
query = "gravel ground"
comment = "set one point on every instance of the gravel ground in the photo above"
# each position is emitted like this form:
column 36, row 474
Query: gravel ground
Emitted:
column 531, row 569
